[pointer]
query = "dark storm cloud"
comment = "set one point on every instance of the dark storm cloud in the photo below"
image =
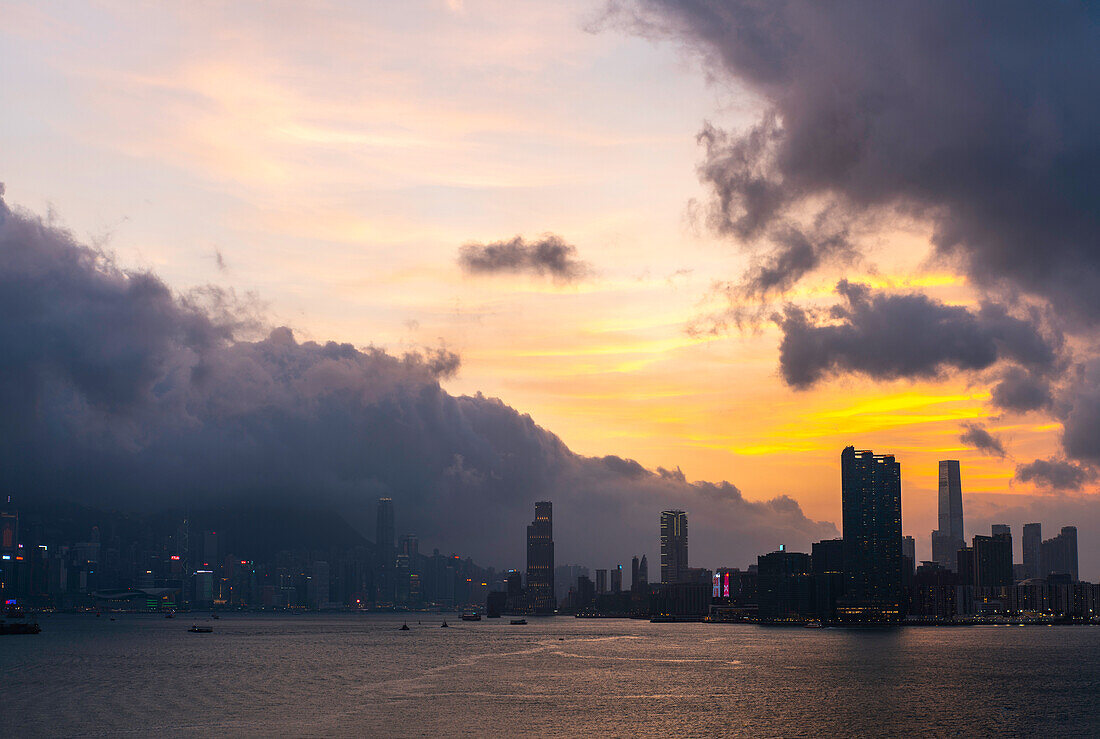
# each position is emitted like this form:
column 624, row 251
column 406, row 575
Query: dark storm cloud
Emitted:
column 549, row 255
column 981, row 117
column 1021, row 391
column 1057, row 474
column 977, row 436
column 887, row 336
column 117, row 392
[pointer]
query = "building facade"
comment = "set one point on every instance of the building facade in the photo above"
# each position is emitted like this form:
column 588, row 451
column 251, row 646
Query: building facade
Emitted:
column 540, row 559
column 871, row 506
column 674, row 547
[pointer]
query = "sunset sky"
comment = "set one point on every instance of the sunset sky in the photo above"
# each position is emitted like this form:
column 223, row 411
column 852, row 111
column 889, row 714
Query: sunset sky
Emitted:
column 328, row 162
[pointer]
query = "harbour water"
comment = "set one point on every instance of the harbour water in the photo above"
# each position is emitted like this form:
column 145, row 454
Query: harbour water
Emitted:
column 353, row 675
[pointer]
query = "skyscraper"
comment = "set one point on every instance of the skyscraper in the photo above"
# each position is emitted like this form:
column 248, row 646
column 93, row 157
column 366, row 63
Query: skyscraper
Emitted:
column 871, row 503
column 1033, row 540
column 674, row 547
column 634, row 562
column 385, row 552
column 1059, row 555
column 540, row 559
column 617, row 579
column 643, row 575
column 909, row 551
column 948, row 539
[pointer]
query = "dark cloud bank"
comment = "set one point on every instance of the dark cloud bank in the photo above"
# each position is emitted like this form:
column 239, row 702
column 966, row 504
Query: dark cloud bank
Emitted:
column 978, row 118
column 549, row 255
column 118, row 392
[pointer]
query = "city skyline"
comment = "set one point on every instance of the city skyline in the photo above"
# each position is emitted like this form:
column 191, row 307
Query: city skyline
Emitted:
column 511, row 241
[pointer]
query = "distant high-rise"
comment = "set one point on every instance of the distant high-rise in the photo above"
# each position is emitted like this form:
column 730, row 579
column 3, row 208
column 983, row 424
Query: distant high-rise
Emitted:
column 871, row 504
column 909, row 551
column 617, row 579
column 674, row 547
column 634, row 562
column 1033, row 540
column 643, row 574
column 1059, row 555
column 948, row 539
column 601, row 581
column 540, row 559
column 386, row 553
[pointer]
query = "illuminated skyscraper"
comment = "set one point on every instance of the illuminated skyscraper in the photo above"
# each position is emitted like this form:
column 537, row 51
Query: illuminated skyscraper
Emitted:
column 540, row 559
column 617, row 579
column 674, row 547
column 948, row 539
column 871, row 503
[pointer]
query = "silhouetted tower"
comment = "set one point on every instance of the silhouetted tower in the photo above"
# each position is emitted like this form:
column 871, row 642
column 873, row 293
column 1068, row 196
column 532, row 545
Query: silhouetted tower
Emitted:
column 674, row 547
column 871, row 502
column 1033, row 540
column 540, row 559
column 948, row 539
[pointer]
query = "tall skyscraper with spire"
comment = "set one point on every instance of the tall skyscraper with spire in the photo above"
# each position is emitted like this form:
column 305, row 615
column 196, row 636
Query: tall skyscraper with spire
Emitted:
column 871, row 505
column 540, row 559
column 674, row 547
column 948, row 539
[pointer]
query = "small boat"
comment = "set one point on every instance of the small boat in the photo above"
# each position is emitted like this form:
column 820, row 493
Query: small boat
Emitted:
column 814, row 625
column 471, row 616
column 404, row 627
column 196, row 629
column 170, row 614
column 215, row 616
column 444, row 624
column 519, row 622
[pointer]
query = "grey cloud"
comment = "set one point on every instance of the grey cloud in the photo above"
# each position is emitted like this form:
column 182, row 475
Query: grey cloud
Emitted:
column 1057, row 474
column 117, row 392
column 1021, row 391
column 549, row 255
column 981, row 117
column 977, row 436
column 795, row 254
column 887, row 336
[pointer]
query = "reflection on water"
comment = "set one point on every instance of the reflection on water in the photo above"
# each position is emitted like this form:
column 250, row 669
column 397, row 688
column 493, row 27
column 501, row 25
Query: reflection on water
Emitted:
column 361, row 675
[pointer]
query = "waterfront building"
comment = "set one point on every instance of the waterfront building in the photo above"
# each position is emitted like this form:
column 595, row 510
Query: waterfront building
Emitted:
column 540, row 559
column 617, row 579
column 828, row 567
column 643, row 575
column 785, row 586
column 871, row 508
column 601, row 581
column 674, row 546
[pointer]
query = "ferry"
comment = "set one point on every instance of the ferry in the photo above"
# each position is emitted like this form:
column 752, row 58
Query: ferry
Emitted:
column 519, row 622
column 471, row 616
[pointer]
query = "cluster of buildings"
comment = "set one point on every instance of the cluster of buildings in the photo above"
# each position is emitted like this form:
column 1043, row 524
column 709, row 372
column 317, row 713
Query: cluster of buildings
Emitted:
column 868, row 576
column 57, row 558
